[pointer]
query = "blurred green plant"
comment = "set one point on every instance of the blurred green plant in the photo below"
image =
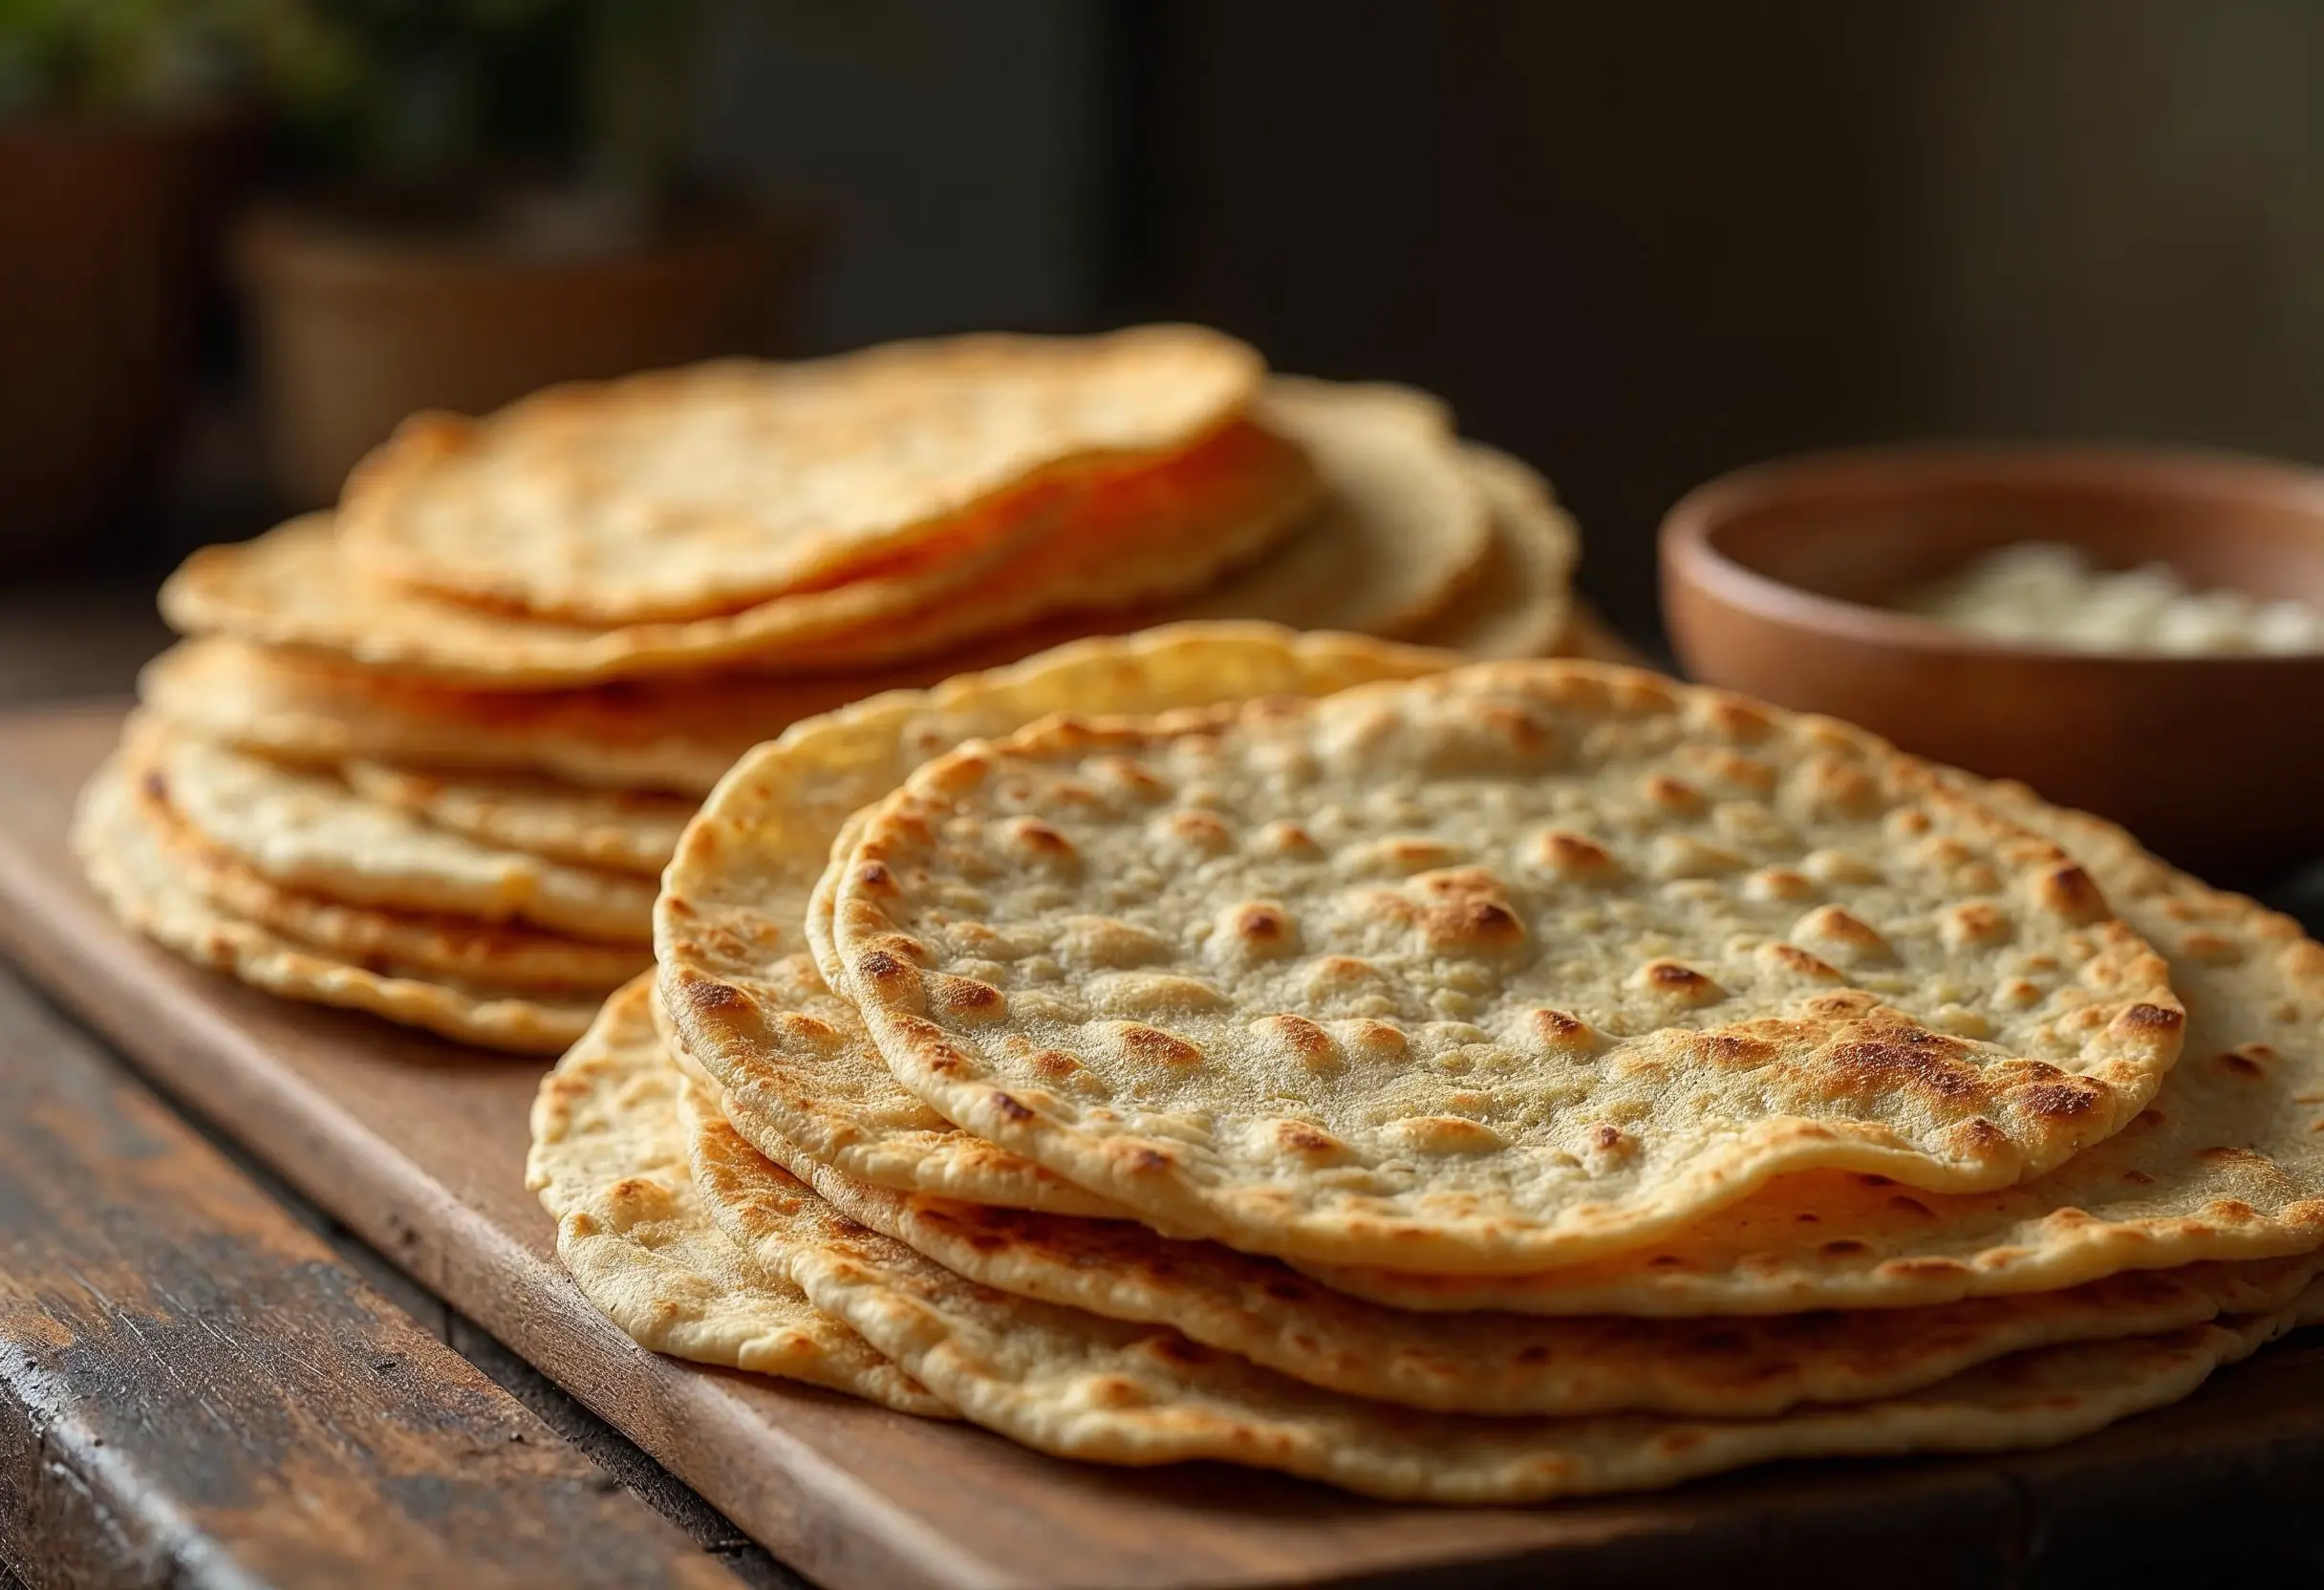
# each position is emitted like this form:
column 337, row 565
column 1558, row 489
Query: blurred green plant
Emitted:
column 107, row 57
column 393, row 91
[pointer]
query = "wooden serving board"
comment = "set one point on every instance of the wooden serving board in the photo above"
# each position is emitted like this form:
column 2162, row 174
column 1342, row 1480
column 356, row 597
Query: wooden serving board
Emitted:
column 419, row 1146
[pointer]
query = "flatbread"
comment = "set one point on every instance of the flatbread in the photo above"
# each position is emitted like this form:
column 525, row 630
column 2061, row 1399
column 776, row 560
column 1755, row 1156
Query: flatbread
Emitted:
column 1488, row 971
column 684, row 493
column 1389, row 563
column 618, row 831
column 730, row 922
column 633, row 1236
column 1497, row 1364
column 295, row 586
column 679, row 735
column 1404, row 522
column 415, row 944
column 1518, row 601
column 1129, row 545
column 130, row 866
column 1077, row 1385
column 2226, row 1163
column 309, row 831
column 849, row 1111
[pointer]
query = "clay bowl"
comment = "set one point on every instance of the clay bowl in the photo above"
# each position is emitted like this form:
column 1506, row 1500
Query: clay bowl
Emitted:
column 1774, row 580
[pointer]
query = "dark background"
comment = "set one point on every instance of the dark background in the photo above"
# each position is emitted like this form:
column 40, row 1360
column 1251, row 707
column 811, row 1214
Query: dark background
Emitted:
column 1637, row 243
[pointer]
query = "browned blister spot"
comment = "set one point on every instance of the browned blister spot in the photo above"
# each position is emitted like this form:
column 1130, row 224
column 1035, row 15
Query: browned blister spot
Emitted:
column 1678, row 984
column 1032, row 837
column 1442, row 1134
column 2211, row 949
column 879, row 967
column 1974, row 924
column 1795, row 961
column 1401, row 855
column 1571, row 855
column 1375, row 1040
column 1116, row 1391
column 966, row 1000
column 2067, row 1100
column 2145, row 1018
column 1153, row 1046
column 1843, row 935
column 713, row 999
column 1877, row 1057
column 1126, row 776
column 1778, row 883
column 1733, row 718
column 1461, row 909
column 1307, row 1141
column 1673, row 795
column 1199, row 831
column 1560, row 1032
column 1262, row 928
column 798, row 1029
column 1055, row 1065
column 2067, row 892
column 2241, row 1065
column 1734, row 1048
column 1838, row 785
column 1286, row 839
column 1297, row 1037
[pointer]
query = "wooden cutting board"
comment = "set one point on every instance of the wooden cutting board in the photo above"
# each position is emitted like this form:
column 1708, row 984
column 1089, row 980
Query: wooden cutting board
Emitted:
column 419, row 1146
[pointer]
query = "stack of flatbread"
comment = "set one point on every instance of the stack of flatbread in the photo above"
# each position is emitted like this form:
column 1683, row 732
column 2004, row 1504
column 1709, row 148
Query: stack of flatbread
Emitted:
column 426, row 755
column 1523, row 1081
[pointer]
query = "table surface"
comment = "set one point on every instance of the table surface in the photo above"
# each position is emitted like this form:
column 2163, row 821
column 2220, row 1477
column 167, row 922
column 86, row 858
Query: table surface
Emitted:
column 66, row 639
column 232, row 1388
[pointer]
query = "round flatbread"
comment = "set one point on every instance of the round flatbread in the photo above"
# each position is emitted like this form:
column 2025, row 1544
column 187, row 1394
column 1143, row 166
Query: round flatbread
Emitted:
column 731, row 921
column 1078, row 1385
column 1486, row 971
column 1518, row 600
column 1405, row 518
column 685, row 493
column 309, row 831
column 1127, row 546
column 295, row 587
column 675, row 735
column 2226, row 1163
column 631, row 1232
column 618, row 831
column 1498, row 1364
column 417, row 944
column 130, row 865
column 1396, row 538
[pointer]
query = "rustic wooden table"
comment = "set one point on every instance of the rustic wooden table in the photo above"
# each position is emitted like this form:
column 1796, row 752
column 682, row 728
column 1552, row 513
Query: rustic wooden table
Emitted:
column 207, row 1380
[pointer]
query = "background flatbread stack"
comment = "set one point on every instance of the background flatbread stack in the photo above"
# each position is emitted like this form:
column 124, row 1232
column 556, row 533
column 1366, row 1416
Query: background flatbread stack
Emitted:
column 426, row 755
column 1485, row 1086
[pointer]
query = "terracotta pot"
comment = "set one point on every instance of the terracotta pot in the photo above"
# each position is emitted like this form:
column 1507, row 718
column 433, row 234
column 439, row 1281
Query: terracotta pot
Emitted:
column 354, row 329
column 105, row 233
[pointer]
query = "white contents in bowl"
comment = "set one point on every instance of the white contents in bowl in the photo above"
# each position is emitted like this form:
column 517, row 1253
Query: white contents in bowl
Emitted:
column 2051, row 593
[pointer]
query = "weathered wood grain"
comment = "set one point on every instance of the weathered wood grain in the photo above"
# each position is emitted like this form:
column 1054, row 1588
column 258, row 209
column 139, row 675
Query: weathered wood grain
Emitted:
column 419, row 1146
column 195, row 1391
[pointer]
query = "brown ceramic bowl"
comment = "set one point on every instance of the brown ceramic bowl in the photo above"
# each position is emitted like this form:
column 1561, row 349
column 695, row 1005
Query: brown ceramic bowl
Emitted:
column 1774, row 581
